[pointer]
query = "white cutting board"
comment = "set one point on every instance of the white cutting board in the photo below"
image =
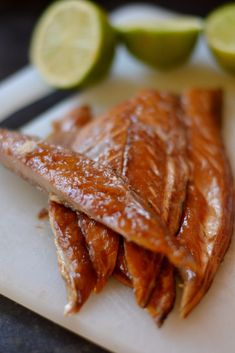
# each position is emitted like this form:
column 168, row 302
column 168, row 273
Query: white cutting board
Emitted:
column 29, row 273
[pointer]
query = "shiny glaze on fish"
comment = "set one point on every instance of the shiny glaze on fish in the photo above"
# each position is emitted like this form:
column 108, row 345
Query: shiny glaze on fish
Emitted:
column 73, row 258
column 209, row 210
column 164, row 115
column 144, row 268
column 163, row 297
column 163, row 158
column 65, row 130
column 121, row 272
column 101, row 241
column 89, row 187
column 144, row 140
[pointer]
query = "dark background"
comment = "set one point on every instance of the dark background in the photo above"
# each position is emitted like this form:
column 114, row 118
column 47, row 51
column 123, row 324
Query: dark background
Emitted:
column 20, row 330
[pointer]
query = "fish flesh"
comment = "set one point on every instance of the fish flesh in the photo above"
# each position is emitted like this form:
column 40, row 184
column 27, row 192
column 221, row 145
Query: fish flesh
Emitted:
column 144, row 141
column 154, row 173
column 89, row 187
column 163, row 297
column 73, row 258
column 121, row 272
column 162, row 157
column 102, row 242
column 208, row 218
column 143, row 267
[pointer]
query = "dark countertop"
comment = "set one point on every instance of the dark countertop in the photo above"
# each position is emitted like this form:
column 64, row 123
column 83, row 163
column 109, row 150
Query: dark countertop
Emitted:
column 21, row 330
column 24, row 331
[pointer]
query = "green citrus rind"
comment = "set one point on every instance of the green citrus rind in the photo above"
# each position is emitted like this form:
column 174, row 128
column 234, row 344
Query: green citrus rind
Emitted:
column 162, row 45
column 73, row 44
column 220, row 35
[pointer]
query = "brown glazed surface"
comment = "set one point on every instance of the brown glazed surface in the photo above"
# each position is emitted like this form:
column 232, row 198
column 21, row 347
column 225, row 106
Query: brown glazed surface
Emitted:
column 209, row 210
column 144, row 141
column 73, row 258
column 89, row 187
column 101, row 241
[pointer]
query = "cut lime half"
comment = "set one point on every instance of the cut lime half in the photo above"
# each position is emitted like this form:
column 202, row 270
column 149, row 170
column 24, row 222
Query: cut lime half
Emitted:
column 162, row 44
column 72, row 44
column 220, row 34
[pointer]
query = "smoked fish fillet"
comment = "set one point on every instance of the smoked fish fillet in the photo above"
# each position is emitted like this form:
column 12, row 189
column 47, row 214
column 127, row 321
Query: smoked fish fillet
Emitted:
column 106, row 140
column 102, row 242
column 121, row 272
column 209, row 210
column 162, row 113
column 163, row 297
column 73, row 258
column 89, row 187
column 144, row 141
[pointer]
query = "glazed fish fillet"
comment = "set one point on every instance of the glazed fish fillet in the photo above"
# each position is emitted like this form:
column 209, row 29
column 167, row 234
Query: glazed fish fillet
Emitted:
column 73, row 258
column 209, row 210
column 107, row 140
column 144, row 141
column 163, row 297
column 163, row 183
column 101, row 241
column 121, row 272
column 89, row 187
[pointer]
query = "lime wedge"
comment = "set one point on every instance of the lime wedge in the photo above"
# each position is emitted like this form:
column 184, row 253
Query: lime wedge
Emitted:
column 162, row 44
column 72, row 44
column 220, row 34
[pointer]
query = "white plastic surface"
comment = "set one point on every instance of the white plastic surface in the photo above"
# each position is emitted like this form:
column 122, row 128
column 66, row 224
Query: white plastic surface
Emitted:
column 21, row 89
column 29, row 273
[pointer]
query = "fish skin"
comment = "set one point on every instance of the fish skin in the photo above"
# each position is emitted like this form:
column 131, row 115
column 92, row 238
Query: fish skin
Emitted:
column 102, row 242
column 143, row 267
column 209, row 210
column 107, row 141
column 145, row 170
column 163, row 184
column 73, row 258
column 121, row 272
column 89, row 187
column 163, row 298
column 117, row 138
column 164, row 114
column 65, row 130
column 104, row 140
